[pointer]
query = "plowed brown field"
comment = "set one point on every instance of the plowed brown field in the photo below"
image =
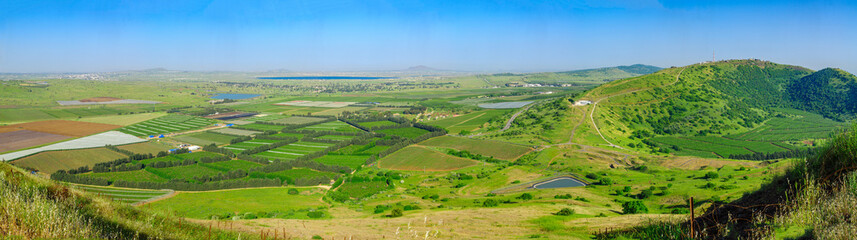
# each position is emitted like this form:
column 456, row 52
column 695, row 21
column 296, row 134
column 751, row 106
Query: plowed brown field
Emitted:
column 61, row 127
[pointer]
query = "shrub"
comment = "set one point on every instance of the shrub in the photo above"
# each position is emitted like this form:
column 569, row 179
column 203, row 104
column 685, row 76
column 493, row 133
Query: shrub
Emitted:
column 605, row 181
column 526, row 196
column 565, row 212
column 647, row 193
column 680, row 211
column 490, row 203
column 317, row 237
column 315, row 214
column 711, row 175
column 293, row 191
column 396, row 213
column 634, row 207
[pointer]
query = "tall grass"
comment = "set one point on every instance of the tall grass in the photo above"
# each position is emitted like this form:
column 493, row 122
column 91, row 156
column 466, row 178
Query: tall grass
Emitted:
column 35, row 208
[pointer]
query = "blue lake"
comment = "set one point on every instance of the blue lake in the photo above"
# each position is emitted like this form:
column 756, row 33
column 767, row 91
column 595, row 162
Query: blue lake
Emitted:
column 234, row 96
column 559, row 183
column 325, row 78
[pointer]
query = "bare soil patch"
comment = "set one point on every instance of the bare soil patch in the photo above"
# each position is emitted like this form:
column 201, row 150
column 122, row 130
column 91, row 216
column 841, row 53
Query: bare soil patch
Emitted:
column 61, row 127
column 100, row 99
column 25, row 138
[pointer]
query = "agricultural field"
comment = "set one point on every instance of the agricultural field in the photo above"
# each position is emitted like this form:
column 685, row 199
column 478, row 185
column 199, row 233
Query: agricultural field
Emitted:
column 145, row 147
column 124, row 120
column 235, row 131
column 377, row 124
column 336, row 137
column 408, row 132
column 298, row 120
column 166, row 124
column 123, row 194
column 98, row 140
column 285, row 134
column 187, row 172
column 720, row 146
column 61, row 127
column 231, row 165
column 496, row 149
column 414, row 158
column 294, row 150
column 179, row 157
column 262, row 127
column 246, row 145
column 361, row 149
column 204, row 138
column 51, row 161
column 351, row 161
column 798, row 125
column 267, row 118
column 130, row 176
column 469, row 122
column 335, row 126
column 20, row 139
column 253, row 200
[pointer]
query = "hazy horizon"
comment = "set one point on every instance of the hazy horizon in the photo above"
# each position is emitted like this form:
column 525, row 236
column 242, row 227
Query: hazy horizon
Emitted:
column 516, row 36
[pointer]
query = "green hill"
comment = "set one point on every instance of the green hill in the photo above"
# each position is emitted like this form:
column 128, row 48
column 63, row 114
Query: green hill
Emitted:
column 829, row 92
column 752, row 106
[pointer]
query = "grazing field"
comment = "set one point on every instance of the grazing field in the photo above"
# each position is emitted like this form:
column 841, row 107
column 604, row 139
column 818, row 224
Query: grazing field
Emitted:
column 51, row 161
column 246, row 145
column 251, row 200
column 262, row 127
column 25, row 138
column 294, row 150
column 145, row 147
column 360, row 190
column 235, row 131
column 98, row 140
column 351, row 161
column 415, row 158
column 166, row 124
column 468, row 122
column 123, row 194
column 124, row 120
column 298, row 120
column 290, row 175
column 204, row 138
column 408, row 132
column 130, row 176
column 336, row 126
column 61, row 127
column 377, row 124
column 496, row 149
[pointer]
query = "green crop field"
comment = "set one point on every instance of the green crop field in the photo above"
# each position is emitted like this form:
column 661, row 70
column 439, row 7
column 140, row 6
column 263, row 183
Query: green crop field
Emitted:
column 420, row 158
column 51, row 161
column 469, row 122
column 801, row 125
column 408, row 132
column 231, row 165
column 166, row 124
column 351, row 161
column 298, row 120
column 360, row 190
column 145, row 147
column 335, row 126
column 179, row 157
column 268, row 118
column 336, row 137
column 294, row 150
column 124, row 120
column 290, row 175
column 294, row 135
column 377, row 124
column 204, row 138
column 251, row 200
column 262, row 127
column 183, row 172
column 122, row 194
column 131, row 176
column 246, row 145
column 496, row 149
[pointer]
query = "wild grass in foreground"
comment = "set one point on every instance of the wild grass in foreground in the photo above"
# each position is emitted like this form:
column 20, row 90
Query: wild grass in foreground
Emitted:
column 31, row 207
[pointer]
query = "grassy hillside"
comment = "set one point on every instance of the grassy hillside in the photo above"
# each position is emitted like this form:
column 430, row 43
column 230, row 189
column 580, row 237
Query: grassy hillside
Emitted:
column 38, row 208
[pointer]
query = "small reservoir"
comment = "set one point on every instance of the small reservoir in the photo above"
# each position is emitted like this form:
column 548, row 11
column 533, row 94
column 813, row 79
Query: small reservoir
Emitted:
column 562, row 182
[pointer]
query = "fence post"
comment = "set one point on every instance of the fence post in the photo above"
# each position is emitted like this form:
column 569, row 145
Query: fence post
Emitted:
column 690, row 235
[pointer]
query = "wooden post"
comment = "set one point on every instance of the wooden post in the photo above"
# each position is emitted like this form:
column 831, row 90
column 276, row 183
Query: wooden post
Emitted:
column 209, row 231
column 691, row 218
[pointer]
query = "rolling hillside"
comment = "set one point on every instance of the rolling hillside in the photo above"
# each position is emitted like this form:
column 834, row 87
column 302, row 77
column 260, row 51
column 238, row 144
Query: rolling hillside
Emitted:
column 727, row 103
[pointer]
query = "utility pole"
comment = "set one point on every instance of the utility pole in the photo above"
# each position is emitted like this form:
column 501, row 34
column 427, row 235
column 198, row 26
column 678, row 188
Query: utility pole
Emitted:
column 691, row 218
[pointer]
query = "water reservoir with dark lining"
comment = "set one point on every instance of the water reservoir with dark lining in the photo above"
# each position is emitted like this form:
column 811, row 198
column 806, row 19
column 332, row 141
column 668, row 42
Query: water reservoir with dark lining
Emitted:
column 562, row 182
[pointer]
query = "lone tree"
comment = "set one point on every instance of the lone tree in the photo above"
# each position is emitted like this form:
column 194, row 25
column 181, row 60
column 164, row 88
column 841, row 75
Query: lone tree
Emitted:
column 565, row 212
column 634, row 207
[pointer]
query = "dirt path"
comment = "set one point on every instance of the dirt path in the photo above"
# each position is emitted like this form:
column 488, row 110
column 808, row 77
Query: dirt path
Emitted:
column 509, row 122
column 595, row 104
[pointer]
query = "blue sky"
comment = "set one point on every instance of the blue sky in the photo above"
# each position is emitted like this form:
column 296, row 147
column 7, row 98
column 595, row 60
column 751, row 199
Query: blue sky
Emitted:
column 317, row 35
